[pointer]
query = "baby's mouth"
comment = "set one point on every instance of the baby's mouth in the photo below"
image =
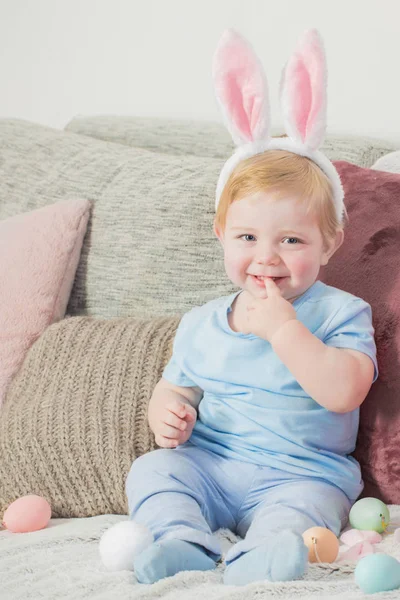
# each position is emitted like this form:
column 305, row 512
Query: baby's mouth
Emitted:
column 260, row 278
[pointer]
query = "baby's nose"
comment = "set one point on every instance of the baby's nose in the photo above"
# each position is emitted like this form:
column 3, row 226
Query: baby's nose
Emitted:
column 268, row 258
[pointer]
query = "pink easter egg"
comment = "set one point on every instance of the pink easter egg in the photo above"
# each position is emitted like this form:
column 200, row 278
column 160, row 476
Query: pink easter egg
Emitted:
column 29, row 513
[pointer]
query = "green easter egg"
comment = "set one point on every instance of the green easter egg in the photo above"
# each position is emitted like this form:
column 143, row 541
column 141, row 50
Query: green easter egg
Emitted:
column 377, row 573
column 367, row 514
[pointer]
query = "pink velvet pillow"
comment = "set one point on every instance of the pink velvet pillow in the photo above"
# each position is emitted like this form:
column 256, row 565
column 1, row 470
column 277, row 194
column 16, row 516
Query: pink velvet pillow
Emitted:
column 39, row 254
column 368, row 265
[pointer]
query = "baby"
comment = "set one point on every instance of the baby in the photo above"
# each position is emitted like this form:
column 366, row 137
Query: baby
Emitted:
column 257, row 411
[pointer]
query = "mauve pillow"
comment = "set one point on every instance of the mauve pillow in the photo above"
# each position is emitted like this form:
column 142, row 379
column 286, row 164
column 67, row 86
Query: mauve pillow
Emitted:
column 39, row 255
column 368, row 265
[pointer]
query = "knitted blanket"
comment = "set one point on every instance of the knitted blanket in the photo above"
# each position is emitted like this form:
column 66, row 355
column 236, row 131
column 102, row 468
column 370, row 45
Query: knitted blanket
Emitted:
column 62, row 562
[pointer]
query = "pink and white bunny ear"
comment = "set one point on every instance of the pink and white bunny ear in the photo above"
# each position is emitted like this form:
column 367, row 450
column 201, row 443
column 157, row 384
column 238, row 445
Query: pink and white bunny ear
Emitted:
column 303, row 92
column 241, row 89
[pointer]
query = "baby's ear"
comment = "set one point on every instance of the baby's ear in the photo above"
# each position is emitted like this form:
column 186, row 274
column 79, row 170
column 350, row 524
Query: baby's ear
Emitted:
column 218, row 232
column 331, row 246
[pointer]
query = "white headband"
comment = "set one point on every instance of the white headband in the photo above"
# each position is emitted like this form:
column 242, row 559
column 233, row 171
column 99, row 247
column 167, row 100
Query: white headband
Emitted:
column 242, row 92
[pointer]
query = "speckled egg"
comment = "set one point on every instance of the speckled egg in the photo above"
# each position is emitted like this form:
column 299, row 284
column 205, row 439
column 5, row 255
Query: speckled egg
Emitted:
column 29, row 513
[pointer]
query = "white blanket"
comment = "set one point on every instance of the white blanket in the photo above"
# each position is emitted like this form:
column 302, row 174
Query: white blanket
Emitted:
column 62, row 561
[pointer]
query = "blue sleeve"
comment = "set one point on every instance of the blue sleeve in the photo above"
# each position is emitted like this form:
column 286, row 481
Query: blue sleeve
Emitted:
column 174, row 371
column 351, row 327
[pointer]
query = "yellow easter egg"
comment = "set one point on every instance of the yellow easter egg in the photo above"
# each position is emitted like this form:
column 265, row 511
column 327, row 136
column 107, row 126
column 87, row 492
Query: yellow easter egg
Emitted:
column 322, row 544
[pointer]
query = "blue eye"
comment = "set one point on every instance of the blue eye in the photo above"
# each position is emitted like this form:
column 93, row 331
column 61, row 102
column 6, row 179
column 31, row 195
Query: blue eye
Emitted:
column 292, row 240
column 248, row 237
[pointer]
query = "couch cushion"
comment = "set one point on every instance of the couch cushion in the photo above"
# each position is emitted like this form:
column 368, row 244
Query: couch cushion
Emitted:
column 150, row 248
column 39, row 254
column 173, row 136
column 169, row 136
column 75, row 416
column 368, row 265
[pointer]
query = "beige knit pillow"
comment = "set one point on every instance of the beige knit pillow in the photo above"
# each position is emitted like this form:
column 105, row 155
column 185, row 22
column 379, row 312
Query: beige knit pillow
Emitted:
column 75, row 417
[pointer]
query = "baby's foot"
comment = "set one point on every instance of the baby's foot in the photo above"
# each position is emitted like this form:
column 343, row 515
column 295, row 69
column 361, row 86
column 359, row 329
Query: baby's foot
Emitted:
column 282, row 558
column 168, row 557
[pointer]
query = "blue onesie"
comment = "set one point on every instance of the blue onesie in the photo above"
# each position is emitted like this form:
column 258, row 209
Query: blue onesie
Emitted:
column 263, row 455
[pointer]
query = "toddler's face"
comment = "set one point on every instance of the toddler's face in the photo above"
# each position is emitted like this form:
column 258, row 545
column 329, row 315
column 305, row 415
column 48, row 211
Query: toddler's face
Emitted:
column 264, row 237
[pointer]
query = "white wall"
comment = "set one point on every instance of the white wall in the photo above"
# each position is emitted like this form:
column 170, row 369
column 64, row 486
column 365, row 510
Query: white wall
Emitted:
column 59, row 58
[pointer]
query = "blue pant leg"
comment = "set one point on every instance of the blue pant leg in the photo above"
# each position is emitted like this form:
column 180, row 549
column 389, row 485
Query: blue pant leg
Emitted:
column 296, row 505
column 171, row 492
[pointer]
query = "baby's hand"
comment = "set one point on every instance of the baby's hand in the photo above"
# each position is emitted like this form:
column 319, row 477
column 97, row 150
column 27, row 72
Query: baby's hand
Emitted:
column 267, row 314
column 175, row 425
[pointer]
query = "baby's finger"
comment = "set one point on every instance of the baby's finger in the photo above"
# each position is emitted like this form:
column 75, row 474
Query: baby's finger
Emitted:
column 168, row 431
column 177, row 408
column 191, row 414
column 263, row 294
column 271, row 287
column 164, row 442
column 174, row 421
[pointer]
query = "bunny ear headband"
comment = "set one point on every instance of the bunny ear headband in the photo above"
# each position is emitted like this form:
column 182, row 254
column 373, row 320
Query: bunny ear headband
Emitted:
column 242, row 92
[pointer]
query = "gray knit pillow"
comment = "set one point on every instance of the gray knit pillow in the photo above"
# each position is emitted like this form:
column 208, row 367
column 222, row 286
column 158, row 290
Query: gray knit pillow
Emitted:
column 75, row 416
column 150, row 250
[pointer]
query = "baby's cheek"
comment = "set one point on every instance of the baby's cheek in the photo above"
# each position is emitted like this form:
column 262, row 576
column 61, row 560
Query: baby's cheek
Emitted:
column 234, row 266
column 231, row 266
column 300, row 266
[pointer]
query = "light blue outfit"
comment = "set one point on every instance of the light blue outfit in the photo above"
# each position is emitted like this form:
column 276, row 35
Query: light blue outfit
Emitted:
column 263, row 456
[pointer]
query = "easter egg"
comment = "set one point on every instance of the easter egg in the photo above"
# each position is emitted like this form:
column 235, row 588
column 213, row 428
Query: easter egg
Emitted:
column 377, row 573
column 322, row 544
column 369, row 514
column 123, row 542
column 26, row 514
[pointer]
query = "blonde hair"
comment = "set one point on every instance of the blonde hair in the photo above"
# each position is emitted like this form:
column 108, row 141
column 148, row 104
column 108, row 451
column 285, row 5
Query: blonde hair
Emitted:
column 282, row 172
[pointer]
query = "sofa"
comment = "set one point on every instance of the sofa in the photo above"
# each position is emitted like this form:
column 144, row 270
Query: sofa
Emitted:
column 114, row 215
